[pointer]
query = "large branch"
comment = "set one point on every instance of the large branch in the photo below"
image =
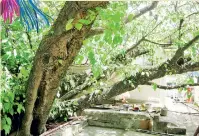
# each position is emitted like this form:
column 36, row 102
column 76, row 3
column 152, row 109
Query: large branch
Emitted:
column 172, row 62
column 128, row 18
column 173, row 87
column 141, row 12
column 131, row 82
column 76, row 90
column 181, row 50
column 124, row 85
column 95, row 31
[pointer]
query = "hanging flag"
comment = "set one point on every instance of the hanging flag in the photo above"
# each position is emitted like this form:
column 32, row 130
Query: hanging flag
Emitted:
column 31, row 16
column 8, row 8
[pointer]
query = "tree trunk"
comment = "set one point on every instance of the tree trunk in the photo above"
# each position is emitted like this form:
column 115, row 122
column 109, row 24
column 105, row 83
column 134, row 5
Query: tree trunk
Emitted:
column 56, row 52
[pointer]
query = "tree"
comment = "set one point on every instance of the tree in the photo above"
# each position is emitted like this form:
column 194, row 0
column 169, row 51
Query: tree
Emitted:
column 110, row 39
column 56, row 52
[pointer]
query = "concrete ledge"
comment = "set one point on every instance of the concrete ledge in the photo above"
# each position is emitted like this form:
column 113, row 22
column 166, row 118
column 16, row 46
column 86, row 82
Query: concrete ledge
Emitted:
column 117, row 119
column 168, row 127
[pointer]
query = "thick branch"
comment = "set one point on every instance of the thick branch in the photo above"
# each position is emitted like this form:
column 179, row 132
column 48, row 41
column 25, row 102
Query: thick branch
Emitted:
column 76, row 90
column 188, row 67
column 139, row 53
column 95, row 31
column 128, row 19
column 132, row 82
column 142, row 11
column 172, row 87
column 124, row 85
column 181, row 50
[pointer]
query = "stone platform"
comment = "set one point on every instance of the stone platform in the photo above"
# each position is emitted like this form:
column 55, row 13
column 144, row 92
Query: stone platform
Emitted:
column 109, row 122
column 117, row 119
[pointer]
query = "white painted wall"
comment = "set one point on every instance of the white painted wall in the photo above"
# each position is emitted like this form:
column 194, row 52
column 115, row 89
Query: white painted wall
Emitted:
column 146, row 93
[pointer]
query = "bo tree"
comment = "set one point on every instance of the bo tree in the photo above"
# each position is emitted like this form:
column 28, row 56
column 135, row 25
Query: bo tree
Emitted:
column 112, row 38
column 56, row 52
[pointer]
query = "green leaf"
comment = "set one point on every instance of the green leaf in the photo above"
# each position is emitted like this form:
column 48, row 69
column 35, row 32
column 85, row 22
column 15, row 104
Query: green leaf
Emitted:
column 20, row 108
column 117, row 39
column 78, row 26
column 194, row 51
column 180, row 89
column 96, row 71
column 6, row 99
column 79, row 59
column 7, row 106
column 85, row 41
column 24, row 72
column 189, row 95
column 84, row 22
column 196, row 33
column 91, row 57
column 60, row 61
column 6, row 124
column 11, row 96
column 45, row 9
column 130, row 17
column 7, row 129
column 75, row 103
column 69, row 24
column 8, row 120
column 70, row 21
column 108, row 36
column 116, row 17
column 3, row 123
column 154, row 86
column 91, row 12
column 190, row 81
column 11, row 111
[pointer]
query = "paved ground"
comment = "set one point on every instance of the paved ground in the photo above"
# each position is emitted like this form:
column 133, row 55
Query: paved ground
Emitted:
column 191, row 122
column 99, row 131
column 178, row 116
column 178, row 113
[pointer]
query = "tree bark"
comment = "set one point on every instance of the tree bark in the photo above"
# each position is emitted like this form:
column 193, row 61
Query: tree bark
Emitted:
column 55, row 54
